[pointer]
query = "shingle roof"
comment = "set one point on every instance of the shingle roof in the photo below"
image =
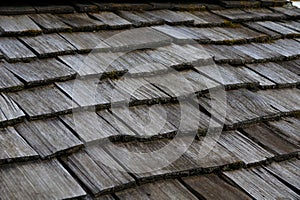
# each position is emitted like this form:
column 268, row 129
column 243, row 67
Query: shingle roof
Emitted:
column 92, row 94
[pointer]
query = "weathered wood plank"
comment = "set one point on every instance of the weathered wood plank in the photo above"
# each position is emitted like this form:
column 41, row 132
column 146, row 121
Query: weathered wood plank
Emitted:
column 112, row 20
column 18, row 25
column 285, row 100
column 287, row 171
column 39, row 179
column 95, row 175
column 290, row 12
column 276, row 73
column 243, row 148
column 265, row 13
column 237, row 15
column 229, row 76
column 262, row 29
column 13, row 50
column 55, row 8
column 293, row 65
column 49, row 137
column 13, row 147
column 287, row 48
column 41, row 71
column 43, row 101
column 168, row 189
column 16, row 10
column 8, row 82
column 139, row 38
column 283, row 30
column 132, row 6
column 171, row 17
column 10, row 112
column 49, row 45
column 50, row 23
column 243, row 106
column 289, row 129
column 240, row 4
column 207, row 19
column 260, row 184
column 90, row 127
column 211, row 187
column 271, row 140
column 140, row 18
column 81, row 22
column 86, row 41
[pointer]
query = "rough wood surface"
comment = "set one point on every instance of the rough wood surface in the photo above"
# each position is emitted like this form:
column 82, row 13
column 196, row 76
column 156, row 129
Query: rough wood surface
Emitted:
column 10, row 112
column 279, row 28
column 140, row 38
column 257, row 27
column 48, row 8
column 289, row 129
column 81, row 22
column 43, row 101
column 18, row 25
column 48, row 137
column 112, row 20
column 211, row 187
column 50, row 23
column 86, row 41
column 242, row 147
column 260, row 184
column 49, row 45
column 98, row 177
column 172, row 17
column 8, row 81
column 14, row 147
column 13, row 50
column 168, row 189
column 237, row 15
column 140, row 18
column 41, row 71
column 271, row 140
column 41, row 179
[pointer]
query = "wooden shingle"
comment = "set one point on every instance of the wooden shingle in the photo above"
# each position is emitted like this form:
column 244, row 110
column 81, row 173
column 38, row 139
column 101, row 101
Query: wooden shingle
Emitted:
column 172, row 17
column 8, row 81
column 50, row 23
column 48, row 137
column 140, row 18
column 14, row 147
column 42, row 179
column 112, row 20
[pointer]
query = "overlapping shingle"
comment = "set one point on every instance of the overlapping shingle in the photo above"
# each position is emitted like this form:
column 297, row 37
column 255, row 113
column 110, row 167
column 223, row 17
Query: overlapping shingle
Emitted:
column 50, row 23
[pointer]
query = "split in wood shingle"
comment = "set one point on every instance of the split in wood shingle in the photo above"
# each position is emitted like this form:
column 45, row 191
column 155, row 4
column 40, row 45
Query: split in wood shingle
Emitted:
column 272, row 140
column 13, row 50
column 49, row 137
column 49, row 45
column 10, row 113
column 212, row 187
column 50, row 23
column 8, row 82
column 43, row 101
column 42, row 179
column 86, row 41
column 18, row 25
column 112, row 20
column 81, row 22
column 167, row 189
column 41, row 71
column 260, row 184
column 13, row 147
column 95, row 175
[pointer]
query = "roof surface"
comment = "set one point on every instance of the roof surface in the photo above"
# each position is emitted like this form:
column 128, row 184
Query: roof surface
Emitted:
column 91, row 94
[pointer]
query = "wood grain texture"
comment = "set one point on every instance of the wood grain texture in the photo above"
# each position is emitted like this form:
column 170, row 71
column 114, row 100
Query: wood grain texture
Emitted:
column 289, row 129
column 14, row 147
column 140, row 18
column 271, row 140
column 40, row 179
column 18, row 25
column 50, row 23
column 212, row 187
column 48, row 137
column 86, row 41
column 8, row 82
column 10, row 113
column 168, row 189
column 258, row 27
column 172, row 17
column 81, row 22
column 276, row 73
column 237, row 15
column 112, row 20
column 13, row 50
column 45, row 101
column 40, row 72
column 283, row 30
column 244, row 148
column 49, row 45
column 139, row 38
column 95, row 175
column 260, row 184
